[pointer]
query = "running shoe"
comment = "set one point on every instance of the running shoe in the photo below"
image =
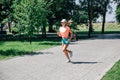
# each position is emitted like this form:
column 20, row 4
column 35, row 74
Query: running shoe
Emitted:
column 68, row 61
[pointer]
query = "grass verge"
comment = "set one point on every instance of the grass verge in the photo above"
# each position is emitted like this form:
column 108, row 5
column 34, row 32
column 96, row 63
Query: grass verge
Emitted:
column 10, row 49
column 114, row 73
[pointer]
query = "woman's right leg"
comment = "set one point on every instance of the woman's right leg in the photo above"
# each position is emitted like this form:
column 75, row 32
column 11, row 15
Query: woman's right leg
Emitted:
column 64, row 48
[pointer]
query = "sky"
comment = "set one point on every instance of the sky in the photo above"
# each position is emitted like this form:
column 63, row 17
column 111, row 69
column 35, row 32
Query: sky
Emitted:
column 111, row 17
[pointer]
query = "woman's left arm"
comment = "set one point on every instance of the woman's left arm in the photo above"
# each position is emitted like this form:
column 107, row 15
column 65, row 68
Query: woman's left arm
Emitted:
column 71, row 34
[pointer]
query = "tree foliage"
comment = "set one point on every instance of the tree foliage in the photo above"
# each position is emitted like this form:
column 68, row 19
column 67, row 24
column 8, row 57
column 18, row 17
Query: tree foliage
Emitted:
column 104, row 6
column 95, row 8
column 32, row 15
column 4, row 9
column 5, row 12
column 61, row 9
column 29, row 16
column 118, row 10
column 118, row 14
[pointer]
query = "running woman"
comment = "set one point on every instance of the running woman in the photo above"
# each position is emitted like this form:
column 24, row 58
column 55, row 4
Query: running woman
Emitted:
column 64, row 31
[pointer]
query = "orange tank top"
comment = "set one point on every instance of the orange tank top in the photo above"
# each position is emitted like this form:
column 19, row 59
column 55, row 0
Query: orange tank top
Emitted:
column 64, row 31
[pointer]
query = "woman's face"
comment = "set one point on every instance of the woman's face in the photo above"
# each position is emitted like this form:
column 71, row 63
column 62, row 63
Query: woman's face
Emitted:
column 63, row 23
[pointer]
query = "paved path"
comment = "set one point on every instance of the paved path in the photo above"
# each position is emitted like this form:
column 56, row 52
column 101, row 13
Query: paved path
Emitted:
column 92, row 58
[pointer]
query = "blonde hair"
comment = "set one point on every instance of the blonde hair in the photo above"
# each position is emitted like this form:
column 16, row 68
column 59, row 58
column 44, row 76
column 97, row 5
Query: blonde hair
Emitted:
column 69, row 21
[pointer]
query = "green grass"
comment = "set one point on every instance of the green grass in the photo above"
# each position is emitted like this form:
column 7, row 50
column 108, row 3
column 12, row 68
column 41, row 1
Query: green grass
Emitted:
column 10, row 49
column 109, row 28
column 114, row 73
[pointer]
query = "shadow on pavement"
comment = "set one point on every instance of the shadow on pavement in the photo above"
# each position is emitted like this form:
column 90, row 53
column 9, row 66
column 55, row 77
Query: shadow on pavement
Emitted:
column 15, row 52
column 37, row 53
column 84, row 62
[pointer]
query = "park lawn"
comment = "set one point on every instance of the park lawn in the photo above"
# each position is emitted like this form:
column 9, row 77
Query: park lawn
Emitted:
column 114, row 73
column 110, row 28
column 10, row 49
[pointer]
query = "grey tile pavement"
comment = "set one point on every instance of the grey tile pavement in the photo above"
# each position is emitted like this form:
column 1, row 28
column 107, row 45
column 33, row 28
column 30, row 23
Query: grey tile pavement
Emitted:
column 91, row 60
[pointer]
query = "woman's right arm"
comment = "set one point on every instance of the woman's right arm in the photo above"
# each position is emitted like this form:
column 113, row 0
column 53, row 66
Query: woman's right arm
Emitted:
column 58, row 33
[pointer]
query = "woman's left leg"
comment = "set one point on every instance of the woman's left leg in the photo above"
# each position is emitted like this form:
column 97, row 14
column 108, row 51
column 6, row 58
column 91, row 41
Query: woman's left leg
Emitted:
column 69, row 51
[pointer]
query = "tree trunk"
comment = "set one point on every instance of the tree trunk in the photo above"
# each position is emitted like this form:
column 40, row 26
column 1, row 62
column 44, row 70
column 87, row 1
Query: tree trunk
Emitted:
column 104, row 16
column 9, row 27
column 30, row 39
column 90, row 28
column 90, row 18
column 50, row 26
column 103, row 24
column 1, row 28
column 43, row 32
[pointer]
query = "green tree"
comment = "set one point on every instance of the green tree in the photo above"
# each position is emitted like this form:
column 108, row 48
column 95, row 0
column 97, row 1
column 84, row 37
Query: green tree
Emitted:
column 60, row 9
column 118, row 14
column 88, row 6
column 90, row 16
column 5, row 11
column 118, row 11
column 104, row 5
column 94, row 9
column 78, row 13
column 30, row 15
